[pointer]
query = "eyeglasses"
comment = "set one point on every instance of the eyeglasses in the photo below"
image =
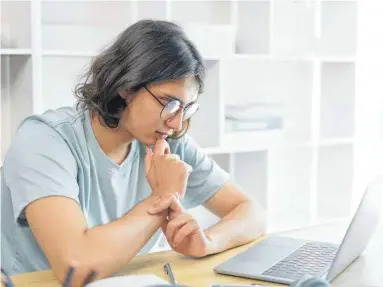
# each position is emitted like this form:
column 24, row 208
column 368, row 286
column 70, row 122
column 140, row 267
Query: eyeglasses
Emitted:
column 172, row 108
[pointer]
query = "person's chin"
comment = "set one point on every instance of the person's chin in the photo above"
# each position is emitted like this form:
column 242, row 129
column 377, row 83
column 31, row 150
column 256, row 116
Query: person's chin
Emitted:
column 148, row 140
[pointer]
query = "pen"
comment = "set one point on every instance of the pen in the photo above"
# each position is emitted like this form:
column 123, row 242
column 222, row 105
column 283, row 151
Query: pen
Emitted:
column 6, row 279
column 90, row 277
column 169, row 272
column 69, row 276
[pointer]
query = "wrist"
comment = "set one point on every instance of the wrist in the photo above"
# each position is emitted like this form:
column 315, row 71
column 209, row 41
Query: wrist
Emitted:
column 157, row 194
column 151, row 201
column 211, row 247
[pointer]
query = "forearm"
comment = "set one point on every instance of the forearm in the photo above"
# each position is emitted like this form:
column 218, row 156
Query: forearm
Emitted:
column 246, row 222
column 106, row 248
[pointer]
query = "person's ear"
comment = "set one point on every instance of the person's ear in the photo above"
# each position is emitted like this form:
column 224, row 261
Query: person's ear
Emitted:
column 126, row 95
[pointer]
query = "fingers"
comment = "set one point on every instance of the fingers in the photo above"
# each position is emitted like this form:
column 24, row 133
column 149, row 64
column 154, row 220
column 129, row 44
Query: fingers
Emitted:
column 164, row 226
column 189, row 168
column 174, row 225
column 188, row 229
column 173, row 156
column 148, row 159
column 161, row 147
column 170, row 202
column 149, row 156
column 177, row 158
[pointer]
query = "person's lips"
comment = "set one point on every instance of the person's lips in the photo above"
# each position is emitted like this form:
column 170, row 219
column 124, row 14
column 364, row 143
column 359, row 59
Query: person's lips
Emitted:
column 162, row 135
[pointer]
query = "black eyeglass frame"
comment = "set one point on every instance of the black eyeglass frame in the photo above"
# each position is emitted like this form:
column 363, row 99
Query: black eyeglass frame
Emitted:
column 184, row 108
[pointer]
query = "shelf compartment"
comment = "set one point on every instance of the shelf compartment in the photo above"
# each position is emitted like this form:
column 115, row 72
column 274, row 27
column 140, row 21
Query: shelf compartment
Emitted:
column 287, row 84
column 250, row 174
column 289, row 187
column 83, row 25
column 16, row 96
column 338, row 28
column 58, row 85
column 337, row 100
column 253, row 27
column 16, row 51
column 15, row 24
column 292, row 30
column 152, row 9
column 334, row 181
column 205, row 126
column 210, row 31
column 202, row 12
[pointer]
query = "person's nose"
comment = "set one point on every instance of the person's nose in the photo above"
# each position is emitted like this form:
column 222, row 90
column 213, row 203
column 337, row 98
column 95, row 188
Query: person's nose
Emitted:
column 176, row 122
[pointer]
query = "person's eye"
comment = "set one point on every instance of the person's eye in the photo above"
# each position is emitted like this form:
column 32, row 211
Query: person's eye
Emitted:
column 164, row 100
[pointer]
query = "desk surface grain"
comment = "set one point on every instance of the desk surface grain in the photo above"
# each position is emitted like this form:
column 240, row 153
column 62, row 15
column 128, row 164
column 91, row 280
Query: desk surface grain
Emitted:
column 199, row 272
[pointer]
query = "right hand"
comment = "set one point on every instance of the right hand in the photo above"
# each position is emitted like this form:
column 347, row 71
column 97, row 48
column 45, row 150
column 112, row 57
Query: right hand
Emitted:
column 181, row 230
column 165, row 172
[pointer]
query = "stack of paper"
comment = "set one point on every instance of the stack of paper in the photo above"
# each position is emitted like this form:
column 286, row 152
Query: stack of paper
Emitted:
column 254, row 116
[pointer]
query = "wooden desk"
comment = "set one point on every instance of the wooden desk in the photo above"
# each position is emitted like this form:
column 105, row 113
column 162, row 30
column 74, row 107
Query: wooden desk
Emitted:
column 199, row 272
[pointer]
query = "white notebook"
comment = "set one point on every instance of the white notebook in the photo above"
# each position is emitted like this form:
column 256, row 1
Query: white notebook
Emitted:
column 130, row 280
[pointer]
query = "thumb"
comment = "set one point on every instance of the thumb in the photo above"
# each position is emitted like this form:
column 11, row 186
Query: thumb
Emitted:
column 148, row 159
column 164, row 226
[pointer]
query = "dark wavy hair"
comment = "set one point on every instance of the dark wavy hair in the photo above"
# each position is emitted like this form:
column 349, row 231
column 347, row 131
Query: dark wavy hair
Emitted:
column 146, row 52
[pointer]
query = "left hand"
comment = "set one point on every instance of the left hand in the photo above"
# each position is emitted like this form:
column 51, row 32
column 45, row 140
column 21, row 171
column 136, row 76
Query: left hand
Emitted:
column 182, row 231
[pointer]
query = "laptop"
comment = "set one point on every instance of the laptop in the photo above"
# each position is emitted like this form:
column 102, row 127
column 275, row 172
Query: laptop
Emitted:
column 285, row 260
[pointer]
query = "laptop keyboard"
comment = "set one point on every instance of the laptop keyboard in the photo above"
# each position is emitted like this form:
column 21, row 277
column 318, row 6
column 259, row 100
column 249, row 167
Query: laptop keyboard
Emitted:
column 312, row 259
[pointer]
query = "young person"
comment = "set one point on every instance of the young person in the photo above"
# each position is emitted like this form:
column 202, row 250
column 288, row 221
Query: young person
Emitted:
column 82, row 186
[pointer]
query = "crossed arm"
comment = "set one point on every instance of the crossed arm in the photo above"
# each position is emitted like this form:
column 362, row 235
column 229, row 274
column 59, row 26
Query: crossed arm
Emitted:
column 242, row 220
column 66, row 240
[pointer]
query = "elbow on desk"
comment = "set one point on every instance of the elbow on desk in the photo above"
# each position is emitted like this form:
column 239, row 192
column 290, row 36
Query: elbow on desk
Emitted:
column 78, row 272
column 87, row 266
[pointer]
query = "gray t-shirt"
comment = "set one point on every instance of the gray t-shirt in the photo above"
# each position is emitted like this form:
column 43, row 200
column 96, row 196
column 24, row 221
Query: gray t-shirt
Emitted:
column 57, row 154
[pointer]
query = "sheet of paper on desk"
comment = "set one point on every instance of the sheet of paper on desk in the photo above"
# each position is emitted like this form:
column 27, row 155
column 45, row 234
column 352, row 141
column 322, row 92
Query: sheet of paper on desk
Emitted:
column 131, row 280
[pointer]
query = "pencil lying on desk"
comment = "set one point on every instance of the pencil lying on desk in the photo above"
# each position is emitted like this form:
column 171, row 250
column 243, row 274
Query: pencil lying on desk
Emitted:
column 6, row 279
column 69, row 277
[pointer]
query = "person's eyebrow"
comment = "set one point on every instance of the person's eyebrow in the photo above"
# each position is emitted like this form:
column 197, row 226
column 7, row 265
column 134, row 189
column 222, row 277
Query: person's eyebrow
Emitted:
column 171, row 97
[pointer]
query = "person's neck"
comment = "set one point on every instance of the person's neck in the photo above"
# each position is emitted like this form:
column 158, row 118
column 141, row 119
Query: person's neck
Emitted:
column 115, row 144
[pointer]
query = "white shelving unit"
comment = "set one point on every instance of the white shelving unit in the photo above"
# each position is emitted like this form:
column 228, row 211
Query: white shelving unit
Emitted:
column 289, row 65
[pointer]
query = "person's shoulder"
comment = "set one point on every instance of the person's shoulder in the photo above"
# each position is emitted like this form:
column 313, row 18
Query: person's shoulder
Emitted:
column 61, row 122
column 44, row 131
column 183, row 145
column 56, row 117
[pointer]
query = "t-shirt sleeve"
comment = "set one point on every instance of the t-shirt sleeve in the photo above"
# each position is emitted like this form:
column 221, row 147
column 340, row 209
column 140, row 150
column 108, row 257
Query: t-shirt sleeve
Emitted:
column 207, row 176
column 38, row 164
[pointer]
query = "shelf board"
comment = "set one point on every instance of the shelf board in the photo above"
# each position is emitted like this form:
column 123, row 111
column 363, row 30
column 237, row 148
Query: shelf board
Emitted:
column 90, row 54
column 336, row 141
column 262, row 57
column 337, row 59
column 352, row 1
column 210, row 57
column 236, row 142
column 287, row 58
column 227, row 150
column 213, row 57
column 63, row 53
column 25, row 52
column 269, row 141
